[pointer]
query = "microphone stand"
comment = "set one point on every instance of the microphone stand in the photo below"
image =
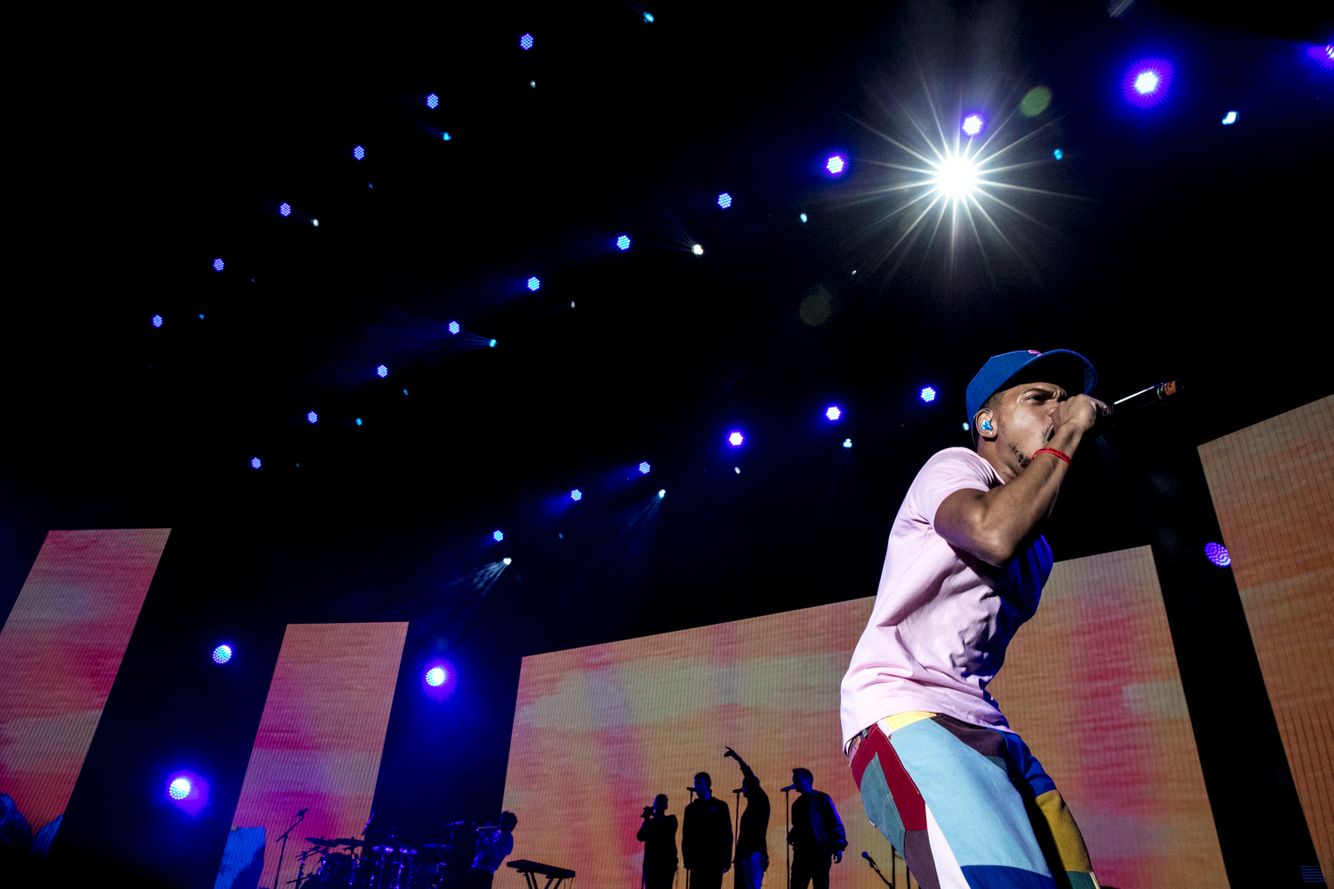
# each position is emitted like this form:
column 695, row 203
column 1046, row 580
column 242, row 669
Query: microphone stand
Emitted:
column 787, row 832
column 282, row 850
column 691, row 791
column 871, row 862
column 736, row 820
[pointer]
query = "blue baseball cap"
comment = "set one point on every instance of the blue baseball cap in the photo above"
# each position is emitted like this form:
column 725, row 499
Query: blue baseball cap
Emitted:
column 1069, row 370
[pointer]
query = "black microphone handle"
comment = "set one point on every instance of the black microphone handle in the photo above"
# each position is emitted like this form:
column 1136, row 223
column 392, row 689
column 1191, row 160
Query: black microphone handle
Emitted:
column 738, row 790
column 1142, row 398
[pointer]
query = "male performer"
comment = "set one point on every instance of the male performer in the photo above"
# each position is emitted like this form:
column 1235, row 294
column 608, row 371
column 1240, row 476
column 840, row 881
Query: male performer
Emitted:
column 940, row 772
column 658, row 834
column 752, row 849
column 494, row 844
column 706, row 837
column 817, row 836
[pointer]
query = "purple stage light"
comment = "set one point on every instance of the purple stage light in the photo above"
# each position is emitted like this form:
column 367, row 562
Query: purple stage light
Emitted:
column 724, row 200
column 382, row 371
column 179, row 788
column 644, row 468
column 312, row 418
column 359, row 153
column 736, row 439
column 1322, row 55
column 284, row 209
column 526, row 41
column 439, row 680
column 432, row 101
column 454, row 327
column 157, row 320
column 1218, row 554
column 973, row 124
column 835, row 164
column 256, row 463
column 1147, row 82
column 833, row 413
column 222, row 654
column 217, row 265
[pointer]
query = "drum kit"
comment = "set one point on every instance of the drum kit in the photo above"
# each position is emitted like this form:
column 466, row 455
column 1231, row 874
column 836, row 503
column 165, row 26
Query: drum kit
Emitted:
column 350, row 863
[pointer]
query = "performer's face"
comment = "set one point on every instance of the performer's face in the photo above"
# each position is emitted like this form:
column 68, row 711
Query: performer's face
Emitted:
column 660, row 804
column 1023, row 419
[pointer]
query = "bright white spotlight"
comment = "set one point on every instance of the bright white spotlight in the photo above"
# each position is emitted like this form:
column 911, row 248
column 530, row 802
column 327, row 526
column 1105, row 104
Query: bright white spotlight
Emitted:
column 698, row 250
column 1230, row 118
column 972, row 125
column 435, row 677
column 928, row 394
column 847, row 442
column 507, row 560
column 662, row 492
column 576, row 495
column 956, row 177
column 644, row 468
column 833, row 413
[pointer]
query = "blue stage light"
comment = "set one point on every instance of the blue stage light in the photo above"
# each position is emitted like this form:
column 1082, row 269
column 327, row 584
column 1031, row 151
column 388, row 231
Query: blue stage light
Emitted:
column 256, row 463
column 157, row 320
column 644, row 468
column 1218, row 554
column 966, row 427
column 382, row 371
column 835, row 164
column 217, row 265
column 1058, row 154
column 432, row 101
column 973, row 124
column 454, row 327
column 358, row 421
column 928, row 395
column 1230, row 118
column 284, row 209
column 179, row 788
column 724, row 200
column 576, row 495
column 497, row 535
column 222, row 654
column 623, row 242
column 736, row 439
column 662, row 492
column 507, row 560
column 526, row 41
column 802, row 217
column 648, row 17
column 833, row 413
column 847, row 442
column 359, row 153
column 491, row 344
column 312, row 418
column 534, row 284
column 1322, row 54
column 446, row 136
column 1147, row 82
column 436, row 676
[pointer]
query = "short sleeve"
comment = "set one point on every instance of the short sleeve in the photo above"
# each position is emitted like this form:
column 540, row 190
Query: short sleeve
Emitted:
column 954, row 469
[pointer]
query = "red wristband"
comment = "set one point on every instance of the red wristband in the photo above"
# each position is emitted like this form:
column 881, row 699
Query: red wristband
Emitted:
column 1053, row 451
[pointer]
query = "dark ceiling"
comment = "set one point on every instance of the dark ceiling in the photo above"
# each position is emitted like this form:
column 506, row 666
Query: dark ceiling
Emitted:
column 1162, row 245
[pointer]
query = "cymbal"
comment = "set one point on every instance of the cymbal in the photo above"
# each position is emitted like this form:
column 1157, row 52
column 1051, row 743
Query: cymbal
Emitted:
column 320, row 841
column 347, row 841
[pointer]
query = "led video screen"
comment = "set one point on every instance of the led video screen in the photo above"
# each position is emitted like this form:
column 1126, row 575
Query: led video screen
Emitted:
column 1273, row 491
column 60, row 650
column 1091, row 682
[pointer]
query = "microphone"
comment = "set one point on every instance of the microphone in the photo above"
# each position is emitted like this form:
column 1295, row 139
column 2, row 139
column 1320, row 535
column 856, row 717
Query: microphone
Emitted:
column 738, row 790
column 300, row 813
column 868, row 857
column 789, row 787
column 1117, row 410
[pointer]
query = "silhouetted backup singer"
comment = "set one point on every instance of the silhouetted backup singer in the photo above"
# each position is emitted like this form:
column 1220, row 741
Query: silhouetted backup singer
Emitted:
column 706, row 837
column 752, row 849
column 817, row 836
column 658, row 834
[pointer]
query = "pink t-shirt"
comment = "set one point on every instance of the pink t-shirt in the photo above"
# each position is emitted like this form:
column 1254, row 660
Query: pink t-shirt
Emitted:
column 942, row 618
